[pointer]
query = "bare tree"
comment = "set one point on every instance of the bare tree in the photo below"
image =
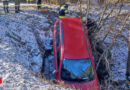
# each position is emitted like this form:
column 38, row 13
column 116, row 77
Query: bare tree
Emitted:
column 114, row 40
column 103, row 12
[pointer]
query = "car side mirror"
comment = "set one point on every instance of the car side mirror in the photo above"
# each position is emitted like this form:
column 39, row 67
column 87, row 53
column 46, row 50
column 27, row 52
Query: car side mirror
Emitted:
column 55, row 72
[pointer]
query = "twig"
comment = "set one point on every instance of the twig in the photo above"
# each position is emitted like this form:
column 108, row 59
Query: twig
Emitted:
column 110, row 25
column 114, row 6
column 80, row 7
column 113, row 41
column 87, row 10
column 127, row 17
column 103, row 12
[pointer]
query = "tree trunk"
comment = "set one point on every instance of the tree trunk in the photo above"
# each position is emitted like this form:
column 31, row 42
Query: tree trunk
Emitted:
column 80, row 7
column 87, row 11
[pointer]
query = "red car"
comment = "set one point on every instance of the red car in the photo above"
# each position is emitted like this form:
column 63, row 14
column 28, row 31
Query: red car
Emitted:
column 74, row 64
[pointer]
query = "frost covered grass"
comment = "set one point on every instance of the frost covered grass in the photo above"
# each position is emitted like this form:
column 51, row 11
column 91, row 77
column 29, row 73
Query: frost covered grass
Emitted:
column 20, row 56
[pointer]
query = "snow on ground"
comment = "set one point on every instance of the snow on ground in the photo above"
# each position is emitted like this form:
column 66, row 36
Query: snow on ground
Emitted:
column 119, row 53
column 20, row 56
column 119, row 58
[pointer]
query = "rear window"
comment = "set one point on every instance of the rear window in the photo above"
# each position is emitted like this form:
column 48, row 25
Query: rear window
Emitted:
column 77, row 70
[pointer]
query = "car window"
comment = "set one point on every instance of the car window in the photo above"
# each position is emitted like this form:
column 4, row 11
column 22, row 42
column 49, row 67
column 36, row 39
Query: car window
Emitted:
column 57, row 35
column 58, row 58
column 58, row 43
column 77, row 70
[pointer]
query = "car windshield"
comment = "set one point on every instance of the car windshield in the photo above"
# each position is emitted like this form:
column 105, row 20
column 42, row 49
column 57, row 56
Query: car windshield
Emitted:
column 77, row 70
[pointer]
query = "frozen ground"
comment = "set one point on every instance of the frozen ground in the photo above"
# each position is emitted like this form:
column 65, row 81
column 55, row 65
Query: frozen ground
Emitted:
column 21, row 56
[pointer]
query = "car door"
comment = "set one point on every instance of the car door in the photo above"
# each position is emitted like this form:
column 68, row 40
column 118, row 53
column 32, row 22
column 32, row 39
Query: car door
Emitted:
column 57, row 45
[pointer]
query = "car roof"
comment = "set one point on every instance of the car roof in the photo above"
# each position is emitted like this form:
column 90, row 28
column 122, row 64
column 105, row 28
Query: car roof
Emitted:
column 75, row 46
